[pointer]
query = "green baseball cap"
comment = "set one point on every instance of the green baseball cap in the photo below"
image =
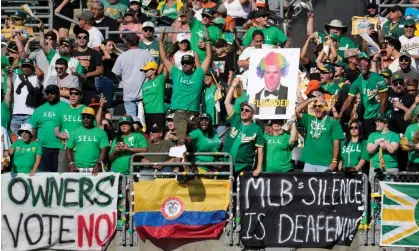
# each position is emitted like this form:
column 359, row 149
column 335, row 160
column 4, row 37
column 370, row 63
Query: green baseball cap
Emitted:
column 340, row 63
column 19, row 15
column 397, row 77
column 125, row 119
column 386, row 72
column 409, row 22
column 382, row 117
column 327, row 68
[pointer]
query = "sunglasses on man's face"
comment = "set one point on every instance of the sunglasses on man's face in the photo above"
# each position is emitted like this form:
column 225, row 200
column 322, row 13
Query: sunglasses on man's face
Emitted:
column 74, row 94
column 51, row 93
column 407, row 60
column 206, row 16
column 86, row 116
column 411, row 90
column 82, row 37
column 148, row 30
column 246, row 110
column 401, row 83
column 65, row 45
column 409, row 26
column 317, row 106
column 59, row 68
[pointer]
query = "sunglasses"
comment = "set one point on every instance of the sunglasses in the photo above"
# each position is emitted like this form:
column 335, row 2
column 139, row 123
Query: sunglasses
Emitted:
column 407, row 60
column 51, row 92
column 246, row 110
column 206, row 16
column 409, row 26
column 65, row 45
column 412, row 91
column 148, row 29
column 401, row 83
column 186, row 63
column 26, row 66
column 354, row 127
column 86, row 116
column 74, row 94
column 317, row 106
column 59, row 68
column 82, row 37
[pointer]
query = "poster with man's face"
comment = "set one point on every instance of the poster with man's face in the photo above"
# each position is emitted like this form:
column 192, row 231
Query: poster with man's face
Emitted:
column 273, row 80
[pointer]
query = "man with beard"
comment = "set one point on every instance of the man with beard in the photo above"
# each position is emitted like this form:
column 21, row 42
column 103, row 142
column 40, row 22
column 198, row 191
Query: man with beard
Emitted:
column 65, row 51
column 66, row 123
column 406, row 71
column 91, row 61
column 43, row 124
column 410, row 42
column 63, row 80
column 372, row 88
column 392, row 50
column 322, row 144
column 92, row 145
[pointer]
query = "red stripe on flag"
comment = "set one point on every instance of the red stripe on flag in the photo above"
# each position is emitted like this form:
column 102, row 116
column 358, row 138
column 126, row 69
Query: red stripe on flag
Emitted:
column 178, row 231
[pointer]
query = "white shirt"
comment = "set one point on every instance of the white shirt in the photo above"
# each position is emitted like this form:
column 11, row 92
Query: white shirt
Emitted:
column 410, row 45
column 395, row 66
column 236, row 10
column 267, row 110
column 20, row 106
column 95, row 37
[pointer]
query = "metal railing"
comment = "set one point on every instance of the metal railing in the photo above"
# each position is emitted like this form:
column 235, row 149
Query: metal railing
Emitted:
column 156, row 174
column 49, row 16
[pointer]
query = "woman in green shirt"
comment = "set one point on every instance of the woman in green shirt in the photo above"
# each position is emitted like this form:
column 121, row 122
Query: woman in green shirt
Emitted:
column 26, row 153
column 412, row 135
column 203, row 139
column 353, row 150
column 126, row 143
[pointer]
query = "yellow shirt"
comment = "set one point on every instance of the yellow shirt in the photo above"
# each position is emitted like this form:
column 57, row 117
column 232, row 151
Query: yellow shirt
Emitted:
column 25, row 31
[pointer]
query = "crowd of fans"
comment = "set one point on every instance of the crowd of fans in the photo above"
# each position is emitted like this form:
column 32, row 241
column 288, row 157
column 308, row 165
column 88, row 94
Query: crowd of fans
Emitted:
column 358, row 111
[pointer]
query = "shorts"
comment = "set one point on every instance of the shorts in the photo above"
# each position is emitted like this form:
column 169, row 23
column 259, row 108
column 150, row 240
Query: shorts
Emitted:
column 61, row 23
column 181, row 120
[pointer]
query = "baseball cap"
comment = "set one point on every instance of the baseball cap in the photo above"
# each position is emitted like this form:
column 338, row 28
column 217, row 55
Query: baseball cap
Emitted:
column 408, row 22
column 204, row 116
column 397, row 78
column 182, row 37
column 134, row 1
column 312, row 86
column 170, row 116
column 86, row 15
column 150, row 66
column 88, row 111
column 126, row 119
column 382, row 117
column 327, row 68
column 78, row 88
column 260, row 13
column 405, row 54
column 372, row 5
column 156, row 129
column 129, row 12
column 386, row 72
column 66, row 40
column 19, row 15
column 25, row 127
column 27, row 61
column 352, row 52
column 220, row 43
column 222, row 9
column 243, row 104
column 52, row 88
column 187, row 59
column 148, row 24
column 207, row 11
column 397, row 8
column 339, row 63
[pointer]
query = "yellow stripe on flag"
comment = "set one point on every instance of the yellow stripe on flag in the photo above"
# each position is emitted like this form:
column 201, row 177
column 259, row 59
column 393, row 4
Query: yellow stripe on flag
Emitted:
column 401, row 235
column 398, row 215
column 397, row 198
column 197, row 195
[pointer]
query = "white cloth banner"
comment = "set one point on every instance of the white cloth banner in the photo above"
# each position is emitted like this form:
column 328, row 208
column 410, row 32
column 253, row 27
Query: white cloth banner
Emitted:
column 67, row 211
column 273, row 80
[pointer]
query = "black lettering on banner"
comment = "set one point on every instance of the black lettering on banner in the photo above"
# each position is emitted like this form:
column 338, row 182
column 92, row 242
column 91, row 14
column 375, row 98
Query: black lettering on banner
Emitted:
column 28, row 229
column 59, row 190
column 40, row 194
column 85, row 186
column 109, row 199
column 67, row 191
column 301, row 210
column 50, row 216
column 10, row 190
column 15, row 236
column 62, row 229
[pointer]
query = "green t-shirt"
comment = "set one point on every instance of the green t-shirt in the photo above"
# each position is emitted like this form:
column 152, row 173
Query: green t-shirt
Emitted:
column 153, row 48
column 394, row 30
column 390, row 159
column 24, row 155
column 87, row 144
column 278, row 154
column 153, row 95
column 114, row 11
column 273, row 36
column 44, row 119
column 369, row 90
column 170, row 12
column 121, row 164
column 6, row 115
column 352, row 153
column 321, row 133
column 410, row 132
column 198, row 33
column 210, row 102
column 51, row 54
column 69, row 120
column 332, row 88
column 187, row 89
column 344, row 44
column 202, row 143
column 241, row 142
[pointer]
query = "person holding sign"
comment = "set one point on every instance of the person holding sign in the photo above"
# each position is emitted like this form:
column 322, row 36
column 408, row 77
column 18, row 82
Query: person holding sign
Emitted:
column 322, row 144
column 244, row 137
column 278, row 147
column 26, row 153
column 273, row 99
column 91, row 143
column 126, row 143
column 354, row 148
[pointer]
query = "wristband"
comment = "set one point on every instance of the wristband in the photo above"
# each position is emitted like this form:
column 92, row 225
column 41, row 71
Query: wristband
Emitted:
column 71, row 163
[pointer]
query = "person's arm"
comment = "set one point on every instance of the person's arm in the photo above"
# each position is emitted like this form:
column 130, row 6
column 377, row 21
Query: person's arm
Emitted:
column 361, row 163
column 391, row 147
column 303, row 55
column 301, row 107
column 293, row 135
column 197, row 63
column 8, row 94
column 42, row 42
column 230, row 77
column 259, row 165
column 333, row 53
column 137, row 149
column 36, row 165
column 102, row 158
column 319, row 59
column 310, row 23
column 20, row 48
column 374, row 62
column 28, row 43
column 346, row 105
column 70, row 158
column 163, row 56
column 336, row 150
column 383, row 101
column 99, row 113
column 61, row 6
column 207, row 61
column 229, row 98
column 39, row 73
column 407, row 115
column 96, row 73
column 58, row 134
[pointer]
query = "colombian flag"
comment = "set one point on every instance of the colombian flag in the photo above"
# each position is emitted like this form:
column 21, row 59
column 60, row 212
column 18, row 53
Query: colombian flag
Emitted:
column 163, row 208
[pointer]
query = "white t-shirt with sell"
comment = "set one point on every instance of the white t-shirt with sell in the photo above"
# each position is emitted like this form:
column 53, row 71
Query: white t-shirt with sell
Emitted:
column 20, row 106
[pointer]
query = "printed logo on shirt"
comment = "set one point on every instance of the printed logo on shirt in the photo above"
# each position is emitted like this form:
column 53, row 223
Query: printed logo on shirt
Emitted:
column 131, row 141
column 246, row 139
column 274, row 141
column 48, row 114
column 72, row 118
column 85, row 62
column 111, row 12
column 186, row 81
column 219, row 67
column 344, row 48
column 86, row 138
column 150, row 86
column 351, row 149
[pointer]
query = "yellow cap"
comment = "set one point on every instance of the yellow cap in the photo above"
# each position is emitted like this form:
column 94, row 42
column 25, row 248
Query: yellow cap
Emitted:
column 88, row 110
column 150, row 66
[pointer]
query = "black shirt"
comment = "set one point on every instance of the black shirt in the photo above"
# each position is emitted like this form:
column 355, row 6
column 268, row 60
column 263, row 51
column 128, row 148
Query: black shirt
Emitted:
column 89, row 60
column 221, row 66
column 312, row 69
column 108, row 65
column 351, row 75
column 111, row 24
column 397, row 122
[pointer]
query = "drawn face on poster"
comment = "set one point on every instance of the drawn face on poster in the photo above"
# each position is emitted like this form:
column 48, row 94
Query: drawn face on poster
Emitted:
column 273, row 79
